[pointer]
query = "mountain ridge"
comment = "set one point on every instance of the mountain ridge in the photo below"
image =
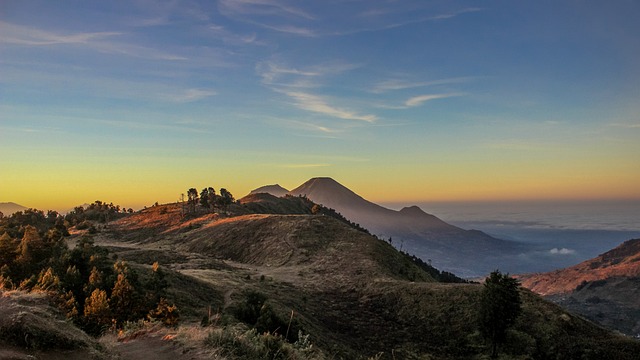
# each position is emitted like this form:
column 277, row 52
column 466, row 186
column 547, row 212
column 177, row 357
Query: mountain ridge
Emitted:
column 621, row 261
column 468, row 253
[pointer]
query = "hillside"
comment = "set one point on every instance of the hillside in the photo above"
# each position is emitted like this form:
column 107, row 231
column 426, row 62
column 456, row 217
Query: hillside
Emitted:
column 605, row 289
column 623, row 261
column 254, row 282
column 355, row 295
column 464, row 252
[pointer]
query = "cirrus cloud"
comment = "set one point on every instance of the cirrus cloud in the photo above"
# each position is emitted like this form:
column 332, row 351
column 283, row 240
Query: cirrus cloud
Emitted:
column 421, row 99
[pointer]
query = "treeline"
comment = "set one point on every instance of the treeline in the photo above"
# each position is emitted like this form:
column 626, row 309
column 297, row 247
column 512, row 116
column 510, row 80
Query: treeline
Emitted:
column 97, row 211
column 90, row 287
column 207, row 200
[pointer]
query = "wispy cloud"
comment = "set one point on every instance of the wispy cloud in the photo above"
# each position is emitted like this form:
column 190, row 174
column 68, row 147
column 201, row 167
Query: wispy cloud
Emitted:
column 23, row 35
column 344, row 19
column 312, row 127
column 395, row 84
column 421, row 99
column 99, row 41
column 261, row 7
column 191, row 95
column 231, row 38
column 275, row 73
column 319, row 105
column 455, row 13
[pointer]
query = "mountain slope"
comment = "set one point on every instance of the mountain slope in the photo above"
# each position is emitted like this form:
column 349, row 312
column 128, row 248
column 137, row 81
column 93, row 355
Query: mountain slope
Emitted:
column 605, row 289
column 623, row 261
column 464, row 252
column 8, row 208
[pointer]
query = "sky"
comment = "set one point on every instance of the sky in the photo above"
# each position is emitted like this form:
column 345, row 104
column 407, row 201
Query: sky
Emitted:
column 134, row 102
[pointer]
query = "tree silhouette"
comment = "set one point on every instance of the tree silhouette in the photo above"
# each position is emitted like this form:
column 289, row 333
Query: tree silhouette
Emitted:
column 499, row 308
column 192, row 199
column 225, row 199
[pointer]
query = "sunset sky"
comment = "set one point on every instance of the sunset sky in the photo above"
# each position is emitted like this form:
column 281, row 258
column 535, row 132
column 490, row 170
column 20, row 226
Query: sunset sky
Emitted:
column 133, row 102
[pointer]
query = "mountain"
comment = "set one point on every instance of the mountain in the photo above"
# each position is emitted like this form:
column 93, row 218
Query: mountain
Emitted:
column 464, row 252
column 8, row 208
column 275, row 190
column 605, row 289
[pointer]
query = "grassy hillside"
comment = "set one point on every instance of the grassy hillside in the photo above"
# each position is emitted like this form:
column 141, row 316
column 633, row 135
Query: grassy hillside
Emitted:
column 354, row 294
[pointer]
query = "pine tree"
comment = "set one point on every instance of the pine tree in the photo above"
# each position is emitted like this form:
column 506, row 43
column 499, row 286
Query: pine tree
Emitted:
column 122, row 299
column 97, row 313
column 500, row 305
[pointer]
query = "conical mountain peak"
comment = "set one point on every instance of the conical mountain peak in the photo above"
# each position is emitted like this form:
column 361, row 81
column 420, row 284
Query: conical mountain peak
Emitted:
column 330, row 193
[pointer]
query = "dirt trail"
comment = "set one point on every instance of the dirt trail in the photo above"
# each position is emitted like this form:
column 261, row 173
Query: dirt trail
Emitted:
column 154, row 346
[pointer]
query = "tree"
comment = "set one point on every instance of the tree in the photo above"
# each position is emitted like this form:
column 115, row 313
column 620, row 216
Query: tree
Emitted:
column 8, row 247
column 225, row 199
column 30, row 250
column 204, row 198
column 165, row 313
column 208, row 197
column 500, row 305
column 192, row 199
column 156, row 285
column 96, row 312
column 124, row 297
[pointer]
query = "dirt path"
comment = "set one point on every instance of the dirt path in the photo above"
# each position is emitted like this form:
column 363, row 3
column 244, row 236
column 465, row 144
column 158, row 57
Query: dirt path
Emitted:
column 154, row 346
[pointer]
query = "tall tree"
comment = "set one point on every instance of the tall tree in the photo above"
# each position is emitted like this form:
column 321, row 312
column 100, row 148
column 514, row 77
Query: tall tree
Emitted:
column 96, row 312
column 8, row 247
column 204, row 198
column 500, row 305
column 192, row 196
column 225, row 199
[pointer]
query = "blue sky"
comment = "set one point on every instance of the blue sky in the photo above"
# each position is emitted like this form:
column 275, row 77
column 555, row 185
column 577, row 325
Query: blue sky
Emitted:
column 133, row 102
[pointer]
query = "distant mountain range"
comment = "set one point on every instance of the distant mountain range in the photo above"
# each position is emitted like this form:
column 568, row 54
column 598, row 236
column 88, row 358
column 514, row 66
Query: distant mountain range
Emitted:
column 466, row 253
column 8, row 208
